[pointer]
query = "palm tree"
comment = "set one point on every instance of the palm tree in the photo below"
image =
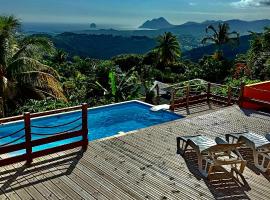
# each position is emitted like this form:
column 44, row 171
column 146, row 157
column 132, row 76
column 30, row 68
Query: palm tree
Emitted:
column 21, row 74
column 168, row 48
column 221, row 35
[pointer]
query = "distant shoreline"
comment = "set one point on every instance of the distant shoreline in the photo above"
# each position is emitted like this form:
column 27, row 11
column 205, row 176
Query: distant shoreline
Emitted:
column 41, row 27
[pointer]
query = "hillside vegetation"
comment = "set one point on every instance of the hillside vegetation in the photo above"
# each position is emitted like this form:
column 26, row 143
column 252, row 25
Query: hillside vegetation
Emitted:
column 37, row 76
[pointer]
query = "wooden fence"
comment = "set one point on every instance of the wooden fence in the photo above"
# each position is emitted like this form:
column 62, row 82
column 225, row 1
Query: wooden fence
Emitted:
column 205, row 92
column 47, row 137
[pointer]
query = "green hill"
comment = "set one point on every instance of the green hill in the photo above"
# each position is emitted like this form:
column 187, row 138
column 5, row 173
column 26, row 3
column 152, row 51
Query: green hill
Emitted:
column 107, row 46
column 229, row 51
column 102, row 46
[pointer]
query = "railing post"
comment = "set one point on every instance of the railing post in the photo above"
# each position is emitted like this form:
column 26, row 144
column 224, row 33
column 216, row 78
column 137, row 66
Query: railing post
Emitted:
column 241, row 95
column 187, row 95
column 2, row 114
column 208, row 92
column 229, row 101
column 28, row 145
column 158, row 94
column 172, row 107
column 85, row 126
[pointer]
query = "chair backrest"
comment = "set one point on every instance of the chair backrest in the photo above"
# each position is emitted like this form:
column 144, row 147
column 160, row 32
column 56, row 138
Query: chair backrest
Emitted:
column 201, row 142
column 254, row 140
column 206, row 145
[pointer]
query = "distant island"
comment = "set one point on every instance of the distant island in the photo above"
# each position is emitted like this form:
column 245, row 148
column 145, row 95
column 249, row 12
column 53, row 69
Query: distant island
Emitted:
column 158, row 23
column 93, row 25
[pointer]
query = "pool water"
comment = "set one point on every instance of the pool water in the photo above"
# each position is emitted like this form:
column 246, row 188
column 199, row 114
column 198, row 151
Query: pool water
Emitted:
column 102, row 122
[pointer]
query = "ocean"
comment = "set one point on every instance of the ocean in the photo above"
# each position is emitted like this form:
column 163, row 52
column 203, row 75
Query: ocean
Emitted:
column 54, row 28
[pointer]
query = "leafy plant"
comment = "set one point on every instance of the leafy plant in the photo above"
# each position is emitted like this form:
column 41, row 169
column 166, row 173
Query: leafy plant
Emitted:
column 122, row 86
column 22, row 76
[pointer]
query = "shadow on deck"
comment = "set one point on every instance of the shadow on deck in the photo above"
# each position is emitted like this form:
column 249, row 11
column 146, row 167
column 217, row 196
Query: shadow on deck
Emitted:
column 20, row 175
column 228, row 187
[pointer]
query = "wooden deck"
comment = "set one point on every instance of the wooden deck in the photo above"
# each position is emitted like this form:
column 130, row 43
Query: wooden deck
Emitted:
column 140, row 165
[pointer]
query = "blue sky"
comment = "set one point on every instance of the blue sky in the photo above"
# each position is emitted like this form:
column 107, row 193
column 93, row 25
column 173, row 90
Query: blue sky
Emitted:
column 134, row 12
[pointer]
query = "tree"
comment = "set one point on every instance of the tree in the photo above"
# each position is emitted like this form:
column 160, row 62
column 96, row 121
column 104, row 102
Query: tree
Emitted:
column 221, row 36
column 258, row 56
column 213, row 70
column 168, row 49
column 127, row 61
column 21, row 73
column 60, row 57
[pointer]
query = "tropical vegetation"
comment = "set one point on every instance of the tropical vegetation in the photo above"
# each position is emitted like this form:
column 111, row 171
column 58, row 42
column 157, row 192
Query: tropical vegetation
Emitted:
column 22, row 75
column 35, row 76
column 221, row 37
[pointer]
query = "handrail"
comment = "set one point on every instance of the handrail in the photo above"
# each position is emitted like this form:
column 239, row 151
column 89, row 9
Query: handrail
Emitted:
column 185, row 86
column 202, row 94
column 40, row 114
column 28, row 144
column 47, row 127
column 12, row 134
column 217, row 84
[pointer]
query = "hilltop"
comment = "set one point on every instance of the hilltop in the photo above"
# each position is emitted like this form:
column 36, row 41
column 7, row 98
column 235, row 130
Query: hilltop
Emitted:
column 158, row 23
column 197, row 29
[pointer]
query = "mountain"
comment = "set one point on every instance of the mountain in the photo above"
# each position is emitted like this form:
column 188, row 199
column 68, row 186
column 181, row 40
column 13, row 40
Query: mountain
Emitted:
column 158, row 23
column 198, row 29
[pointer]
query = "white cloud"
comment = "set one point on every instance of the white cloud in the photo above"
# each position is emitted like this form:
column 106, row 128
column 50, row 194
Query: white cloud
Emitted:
column 251, row 3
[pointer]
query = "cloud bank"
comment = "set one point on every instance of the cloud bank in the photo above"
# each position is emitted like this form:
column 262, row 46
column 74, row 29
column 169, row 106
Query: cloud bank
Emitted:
column 251, row 3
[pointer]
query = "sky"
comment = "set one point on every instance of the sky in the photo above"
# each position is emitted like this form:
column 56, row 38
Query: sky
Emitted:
column 134, row 12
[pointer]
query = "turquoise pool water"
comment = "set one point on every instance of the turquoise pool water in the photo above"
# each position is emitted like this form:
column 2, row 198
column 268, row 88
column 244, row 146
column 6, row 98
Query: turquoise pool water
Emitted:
column 102, row 122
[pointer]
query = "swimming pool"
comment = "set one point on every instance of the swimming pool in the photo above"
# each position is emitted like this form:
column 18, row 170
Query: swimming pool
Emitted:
column 103, row 122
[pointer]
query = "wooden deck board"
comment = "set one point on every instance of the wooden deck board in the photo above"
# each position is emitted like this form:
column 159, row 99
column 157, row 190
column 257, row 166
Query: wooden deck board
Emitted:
column 142, row 164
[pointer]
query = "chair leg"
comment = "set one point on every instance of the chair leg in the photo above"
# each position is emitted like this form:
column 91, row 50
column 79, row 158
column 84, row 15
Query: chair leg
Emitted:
column 268, row 167
column 181, row 146
column 202, row 170
column 242, row 166
column 261, row 167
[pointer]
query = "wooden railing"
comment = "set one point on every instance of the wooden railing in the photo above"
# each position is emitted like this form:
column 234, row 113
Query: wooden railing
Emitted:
column 47, row 137
column 205, row 94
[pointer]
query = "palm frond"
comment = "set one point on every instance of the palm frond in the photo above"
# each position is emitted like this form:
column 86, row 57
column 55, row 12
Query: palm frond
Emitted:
column 25, row 64
column 8, row 25
column 42, row 82
column 168, row 48
column 211, row 27
column 33, row 45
